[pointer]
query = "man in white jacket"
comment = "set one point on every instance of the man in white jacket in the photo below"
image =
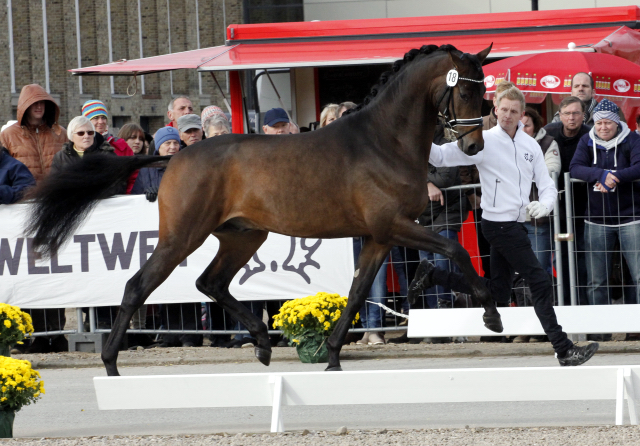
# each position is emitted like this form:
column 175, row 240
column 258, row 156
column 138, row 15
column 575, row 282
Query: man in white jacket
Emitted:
column 510, row 162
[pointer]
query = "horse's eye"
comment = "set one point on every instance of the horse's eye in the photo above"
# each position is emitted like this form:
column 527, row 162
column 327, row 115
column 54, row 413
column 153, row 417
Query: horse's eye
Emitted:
column 464, row 97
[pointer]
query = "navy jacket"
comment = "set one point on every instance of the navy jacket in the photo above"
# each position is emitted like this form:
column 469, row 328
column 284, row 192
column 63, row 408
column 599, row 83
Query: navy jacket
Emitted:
column 622, row 205
column 148, row 176
column 15, row 178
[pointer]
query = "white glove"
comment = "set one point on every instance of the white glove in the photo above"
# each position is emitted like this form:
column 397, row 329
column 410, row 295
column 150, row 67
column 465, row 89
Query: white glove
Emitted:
column 537, row 209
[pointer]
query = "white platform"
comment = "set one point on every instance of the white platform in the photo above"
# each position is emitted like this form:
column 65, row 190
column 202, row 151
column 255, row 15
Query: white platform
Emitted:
column 392, row 387
column 523, row 321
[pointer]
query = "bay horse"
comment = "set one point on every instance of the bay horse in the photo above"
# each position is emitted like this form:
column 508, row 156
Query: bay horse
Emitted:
column 364, row 175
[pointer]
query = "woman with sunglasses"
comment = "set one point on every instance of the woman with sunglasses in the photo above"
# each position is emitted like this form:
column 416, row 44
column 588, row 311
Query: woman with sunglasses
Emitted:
column 83, row 141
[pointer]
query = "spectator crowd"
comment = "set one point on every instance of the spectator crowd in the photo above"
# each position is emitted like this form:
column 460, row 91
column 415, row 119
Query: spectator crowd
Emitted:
column 587, row 138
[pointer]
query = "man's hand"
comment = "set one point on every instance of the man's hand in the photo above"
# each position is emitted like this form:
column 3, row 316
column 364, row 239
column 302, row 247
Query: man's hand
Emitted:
column 537, row 209
column 435, row 194
column 151, row 193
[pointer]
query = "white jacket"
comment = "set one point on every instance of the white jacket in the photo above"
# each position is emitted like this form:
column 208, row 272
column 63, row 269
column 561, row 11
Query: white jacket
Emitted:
column 507, row 168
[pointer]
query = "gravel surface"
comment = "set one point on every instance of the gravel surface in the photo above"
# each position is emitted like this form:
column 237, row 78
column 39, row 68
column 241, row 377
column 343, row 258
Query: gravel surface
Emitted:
column 566, row 436
column 210, row 355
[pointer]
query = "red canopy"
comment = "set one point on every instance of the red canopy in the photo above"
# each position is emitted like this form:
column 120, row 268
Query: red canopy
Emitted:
column 552, row 73
column 351, row 42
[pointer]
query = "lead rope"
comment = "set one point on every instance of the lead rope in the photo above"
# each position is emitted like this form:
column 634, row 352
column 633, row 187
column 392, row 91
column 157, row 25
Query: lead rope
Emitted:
column 388, row 310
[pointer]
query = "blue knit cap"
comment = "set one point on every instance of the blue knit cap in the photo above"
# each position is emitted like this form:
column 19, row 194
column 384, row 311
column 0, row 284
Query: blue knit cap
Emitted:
column 166, row 134
column 606, row 110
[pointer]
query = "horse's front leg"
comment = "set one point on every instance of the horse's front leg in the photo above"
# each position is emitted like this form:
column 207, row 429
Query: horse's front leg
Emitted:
column 371, row 258
column 412, row 235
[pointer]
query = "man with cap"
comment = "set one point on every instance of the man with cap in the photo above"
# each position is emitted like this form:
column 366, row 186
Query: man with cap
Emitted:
column 276, row 122
column 608, row 159
column 190, row 129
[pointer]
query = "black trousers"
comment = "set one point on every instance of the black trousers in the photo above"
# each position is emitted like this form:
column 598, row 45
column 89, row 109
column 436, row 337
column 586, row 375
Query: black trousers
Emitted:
column 511, row 251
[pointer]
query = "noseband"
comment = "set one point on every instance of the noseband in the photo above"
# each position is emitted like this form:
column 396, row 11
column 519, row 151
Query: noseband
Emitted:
column 452, row 81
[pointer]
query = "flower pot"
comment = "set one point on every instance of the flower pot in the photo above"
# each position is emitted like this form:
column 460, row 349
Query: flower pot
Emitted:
column 5, row 350
column 6, row 423
column 312, row 350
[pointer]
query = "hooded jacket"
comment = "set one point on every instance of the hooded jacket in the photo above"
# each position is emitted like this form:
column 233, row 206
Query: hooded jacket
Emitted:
column 35, row 146
column 507, row 170
column 621, row 155
column 15, row 178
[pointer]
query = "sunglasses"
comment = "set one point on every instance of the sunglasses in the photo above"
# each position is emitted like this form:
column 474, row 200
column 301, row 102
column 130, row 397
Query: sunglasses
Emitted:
column 82, row 132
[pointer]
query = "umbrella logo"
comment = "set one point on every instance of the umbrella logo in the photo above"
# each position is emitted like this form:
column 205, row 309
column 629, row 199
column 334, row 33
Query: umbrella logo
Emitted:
column 621, row 85
column 489, row 81
column 550, row 81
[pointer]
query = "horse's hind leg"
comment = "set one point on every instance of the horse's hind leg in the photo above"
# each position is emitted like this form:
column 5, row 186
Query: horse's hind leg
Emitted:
column 412, row 235
column 369, row 262
column 159, row 266
column 236, row 249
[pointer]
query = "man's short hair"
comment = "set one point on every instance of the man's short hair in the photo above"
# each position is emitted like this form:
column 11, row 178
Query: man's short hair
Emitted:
column 571, row 100
column 76, row 123
column 503, row 86
column 586, row 74
column 175, row 99
column 513, row 94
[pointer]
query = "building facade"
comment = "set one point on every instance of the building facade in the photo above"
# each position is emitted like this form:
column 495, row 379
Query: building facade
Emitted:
column 40, row 40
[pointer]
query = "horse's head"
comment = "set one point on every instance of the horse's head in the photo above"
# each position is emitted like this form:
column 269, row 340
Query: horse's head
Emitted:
column 460, row 99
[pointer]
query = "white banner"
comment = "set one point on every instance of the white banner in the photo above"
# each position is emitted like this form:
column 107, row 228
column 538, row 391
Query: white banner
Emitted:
column 120, row 235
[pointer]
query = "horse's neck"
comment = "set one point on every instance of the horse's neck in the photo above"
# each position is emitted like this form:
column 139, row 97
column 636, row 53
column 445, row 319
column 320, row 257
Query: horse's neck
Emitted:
column 404, row 117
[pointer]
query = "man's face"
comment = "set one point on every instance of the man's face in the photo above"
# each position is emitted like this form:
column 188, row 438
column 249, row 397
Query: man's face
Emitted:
column 581, row 87
column 170, row 147
column 35, row 112
column 572, row 116
column 191, row 136
column 279, row 128
column 181, row 107
column 100, row 123
column 509, row 113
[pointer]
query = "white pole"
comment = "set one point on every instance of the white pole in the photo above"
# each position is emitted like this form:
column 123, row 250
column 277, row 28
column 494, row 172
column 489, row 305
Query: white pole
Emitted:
column 198, row 43
column 11, row 57
column 169, row 38
column 140, row 39
column 46, row 45
column 78, row 45
column 113, row 89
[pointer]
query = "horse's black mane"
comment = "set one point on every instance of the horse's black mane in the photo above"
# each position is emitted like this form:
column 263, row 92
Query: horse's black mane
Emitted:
column 398, row 65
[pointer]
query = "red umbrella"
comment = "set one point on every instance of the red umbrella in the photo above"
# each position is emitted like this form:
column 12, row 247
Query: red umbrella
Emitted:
column 551, row 72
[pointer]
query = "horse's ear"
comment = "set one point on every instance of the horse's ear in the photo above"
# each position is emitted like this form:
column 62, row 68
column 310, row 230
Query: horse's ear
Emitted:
column 482, row 55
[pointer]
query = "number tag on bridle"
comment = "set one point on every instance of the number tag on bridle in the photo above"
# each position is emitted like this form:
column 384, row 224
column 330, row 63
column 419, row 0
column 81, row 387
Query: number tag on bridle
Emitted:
column 452, row 78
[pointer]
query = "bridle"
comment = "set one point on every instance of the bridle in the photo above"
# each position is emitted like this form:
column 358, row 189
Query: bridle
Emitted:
column 452, row 81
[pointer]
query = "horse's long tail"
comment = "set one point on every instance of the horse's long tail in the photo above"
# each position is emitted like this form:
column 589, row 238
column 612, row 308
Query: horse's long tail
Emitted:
column 63, row 199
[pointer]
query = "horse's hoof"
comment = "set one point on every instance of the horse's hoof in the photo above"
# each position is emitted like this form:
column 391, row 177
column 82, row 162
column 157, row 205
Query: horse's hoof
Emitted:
column 263, row 355
column 335, row 368
column 493, row 322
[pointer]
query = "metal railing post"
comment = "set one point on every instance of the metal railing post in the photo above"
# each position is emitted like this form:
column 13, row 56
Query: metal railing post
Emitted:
column 557, row 229
column 568, row 200
column 92, row 319
column 79, row 315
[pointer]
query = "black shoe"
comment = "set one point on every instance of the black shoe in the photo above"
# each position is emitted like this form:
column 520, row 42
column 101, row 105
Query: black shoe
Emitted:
column 283, row 343
column 578, row 355
column 421, row 281
column 188, row 344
